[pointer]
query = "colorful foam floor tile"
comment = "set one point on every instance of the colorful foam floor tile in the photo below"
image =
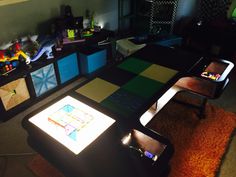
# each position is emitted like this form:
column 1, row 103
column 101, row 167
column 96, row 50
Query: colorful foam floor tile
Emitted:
column 159, row 73
column 123, row 103
column 117, row 76
column 143, row 86
column 14, row 93
column 44, row 79
column 97, row 89
column 134, row 65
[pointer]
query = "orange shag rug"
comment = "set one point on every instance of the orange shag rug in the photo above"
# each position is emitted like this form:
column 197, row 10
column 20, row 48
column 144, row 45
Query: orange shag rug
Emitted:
column 42, row 168
column 200, row 144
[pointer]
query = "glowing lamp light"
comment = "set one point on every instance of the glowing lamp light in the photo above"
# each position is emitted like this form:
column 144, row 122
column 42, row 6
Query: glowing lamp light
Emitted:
column 126, row 139
column 101, row 24
column 100, row 21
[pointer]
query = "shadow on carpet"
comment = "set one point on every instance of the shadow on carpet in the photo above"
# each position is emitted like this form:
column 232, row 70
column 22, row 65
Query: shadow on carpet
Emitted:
column 199, row 144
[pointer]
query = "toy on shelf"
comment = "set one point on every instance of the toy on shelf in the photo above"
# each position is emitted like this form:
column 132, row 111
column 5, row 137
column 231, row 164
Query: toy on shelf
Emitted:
column 88, row 24
column 23, row 51
column 210, row 75
column 68, row 36
column 87, row 33
column 30, row 45
column 45, row 47
column 68, row 28
column 12, row 57
column 35, row 46
column 71, row 36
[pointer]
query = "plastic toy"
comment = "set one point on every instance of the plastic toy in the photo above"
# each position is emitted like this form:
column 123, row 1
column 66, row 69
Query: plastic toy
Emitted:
column 68, row 29
column 210, row 75
column 87, row 33
column 68, row 36
column 45, row 47
column 30, row 45
column 24, row 51
column 11, row 58
column 71, row 36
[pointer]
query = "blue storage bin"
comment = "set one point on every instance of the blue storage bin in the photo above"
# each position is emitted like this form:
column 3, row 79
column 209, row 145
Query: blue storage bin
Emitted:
column 92, row 59
column 68, row 68
column 44, row 79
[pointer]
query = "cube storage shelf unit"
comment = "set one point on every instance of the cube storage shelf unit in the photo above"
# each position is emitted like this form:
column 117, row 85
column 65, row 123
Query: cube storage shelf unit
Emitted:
column 92, row 59
column 28, row 85
column 44, row 79
column 162, row 16
column 68, row 68
column 14, row 93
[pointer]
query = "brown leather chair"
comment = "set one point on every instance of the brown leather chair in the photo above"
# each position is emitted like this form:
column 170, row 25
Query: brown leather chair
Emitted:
column 209, row 83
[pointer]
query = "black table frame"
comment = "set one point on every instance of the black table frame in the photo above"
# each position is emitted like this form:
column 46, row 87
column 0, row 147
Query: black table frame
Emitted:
column 117, row 160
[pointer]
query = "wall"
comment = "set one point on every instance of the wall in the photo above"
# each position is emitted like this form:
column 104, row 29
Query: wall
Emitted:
column 33, row 16
column 186, row 8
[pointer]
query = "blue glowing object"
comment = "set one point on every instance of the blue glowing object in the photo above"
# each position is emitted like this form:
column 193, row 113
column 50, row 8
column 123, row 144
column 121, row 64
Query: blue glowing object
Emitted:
column 148, row 154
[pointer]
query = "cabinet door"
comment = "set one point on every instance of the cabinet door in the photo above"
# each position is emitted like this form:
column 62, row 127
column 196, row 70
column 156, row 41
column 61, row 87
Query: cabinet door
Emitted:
column 44, row 79
column 14, row 93
column 68, row 68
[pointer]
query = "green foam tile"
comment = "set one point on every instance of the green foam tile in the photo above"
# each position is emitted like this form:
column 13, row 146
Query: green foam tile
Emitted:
column 134, row 65
column 143, row 86
column 123, row 103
